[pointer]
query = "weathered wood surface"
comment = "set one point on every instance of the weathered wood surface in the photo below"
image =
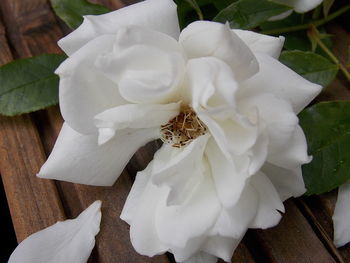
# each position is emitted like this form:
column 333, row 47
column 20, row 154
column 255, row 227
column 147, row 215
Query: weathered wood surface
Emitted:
column 304, row 234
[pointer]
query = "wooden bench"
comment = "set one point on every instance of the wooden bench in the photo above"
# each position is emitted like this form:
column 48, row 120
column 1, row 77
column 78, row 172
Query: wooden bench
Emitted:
column 29, row 28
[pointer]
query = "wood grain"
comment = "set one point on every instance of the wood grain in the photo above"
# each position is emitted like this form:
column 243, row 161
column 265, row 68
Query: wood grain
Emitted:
column 34, row 203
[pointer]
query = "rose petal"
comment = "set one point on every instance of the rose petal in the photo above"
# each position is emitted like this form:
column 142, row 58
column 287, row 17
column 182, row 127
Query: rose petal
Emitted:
column 279, row 124
column 84, row 91
column 258, row 153
column 148, row 66
column 273, row 77
column 203, row 38
column 294, row 152
column 179, row 169
column 159, row 15
column 229, row 175
column 301, row 6
column 281, row 16
column 270, row 204
column 260, row 43
column 70, row 241
column 135, row 116
column 211, row 85
column 178, row 224
column 232, row 137
column 140, row 211
column 78, row 158
column 233, row 222
column 202, row 257
column 183, row 254
column 134, row 197
column 221, row 247
column 341, row 217
column 287, row 182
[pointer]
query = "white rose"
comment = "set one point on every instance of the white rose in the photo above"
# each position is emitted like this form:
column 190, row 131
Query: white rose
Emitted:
column 299, row 6
column 221, row 102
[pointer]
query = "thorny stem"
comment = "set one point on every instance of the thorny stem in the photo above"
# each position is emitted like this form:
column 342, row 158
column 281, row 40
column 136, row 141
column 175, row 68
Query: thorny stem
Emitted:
column 315, row 36
column 316, row 23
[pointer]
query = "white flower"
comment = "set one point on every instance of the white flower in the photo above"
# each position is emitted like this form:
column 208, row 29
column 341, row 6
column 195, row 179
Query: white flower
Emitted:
column 341, row 217
column 70, row 241
column 299, row 6
column 218, row 98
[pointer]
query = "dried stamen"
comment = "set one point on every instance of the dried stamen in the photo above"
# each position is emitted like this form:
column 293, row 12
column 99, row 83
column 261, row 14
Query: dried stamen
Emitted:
column 183, row 128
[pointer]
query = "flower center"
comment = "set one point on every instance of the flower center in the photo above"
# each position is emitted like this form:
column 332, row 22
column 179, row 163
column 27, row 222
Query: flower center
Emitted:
column 182, row 129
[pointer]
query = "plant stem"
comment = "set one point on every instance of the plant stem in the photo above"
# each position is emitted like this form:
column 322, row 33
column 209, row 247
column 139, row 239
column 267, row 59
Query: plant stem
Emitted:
column 196, row 7
column 316, row 23
column 315, row 35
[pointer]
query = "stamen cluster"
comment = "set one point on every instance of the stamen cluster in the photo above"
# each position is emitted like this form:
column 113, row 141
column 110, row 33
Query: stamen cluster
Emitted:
column 183, row 128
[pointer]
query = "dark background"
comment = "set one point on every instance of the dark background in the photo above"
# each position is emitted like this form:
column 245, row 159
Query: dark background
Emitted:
column 7, row 234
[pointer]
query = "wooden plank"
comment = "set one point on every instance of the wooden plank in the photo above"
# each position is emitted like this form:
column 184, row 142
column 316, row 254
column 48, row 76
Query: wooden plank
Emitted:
column 292, row 240
column 320, row 218
column 34, row 203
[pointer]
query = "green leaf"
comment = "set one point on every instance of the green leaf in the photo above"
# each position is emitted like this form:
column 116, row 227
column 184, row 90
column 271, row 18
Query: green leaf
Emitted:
column 297, row 40
column 327, row 129
column 247, row 14
column 221, row 4
column 311, row 66
column 72, row 11
column 327, row 5
column 187, row 13
column 29, row 84
column 317, row 12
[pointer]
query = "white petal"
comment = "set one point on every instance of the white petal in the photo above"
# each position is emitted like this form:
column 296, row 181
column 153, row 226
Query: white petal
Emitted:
column 70, row 241
column 294, row 152
column 275, row 115
column 140, row 211
column 233, row 222
column 258, row 153
column 159, row 15
column 147, row 66
column 301, row 6
column 135, row 116
column 84, row 91
column 229, row 175
column 203, row 38
column 78, row 158
column 273, row 77
column 211, row 84
column 202, row 257
column 221, row 247
column 261, row 43
column 183, row 254
column 179, row 169
column 270, row 204
column 178, row 224
column 288, row 182
column 134, row 197
column 281, row 16
column 233, row 136
column 341, row 217
column 215, row 245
